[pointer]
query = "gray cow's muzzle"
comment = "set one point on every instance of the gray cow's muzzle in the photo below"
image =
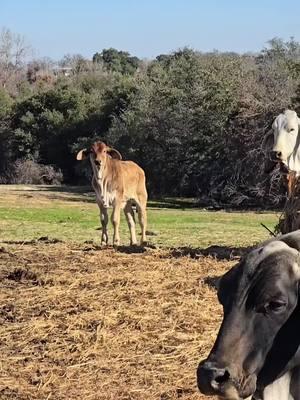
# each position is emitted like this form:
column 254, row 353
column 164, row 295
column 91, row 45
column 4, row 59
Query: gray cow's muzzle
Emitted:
column 211, row 379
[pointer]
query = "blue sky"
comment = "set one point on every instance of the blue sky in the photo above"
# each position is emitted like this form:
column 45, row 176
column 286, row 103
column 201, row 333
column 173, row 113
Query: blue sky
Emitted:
column 147, row 28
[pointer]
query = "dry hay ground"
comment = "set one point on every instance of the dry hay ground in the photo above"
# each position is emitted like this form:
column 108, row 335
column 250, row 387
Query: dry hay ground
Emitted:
column 79, row 322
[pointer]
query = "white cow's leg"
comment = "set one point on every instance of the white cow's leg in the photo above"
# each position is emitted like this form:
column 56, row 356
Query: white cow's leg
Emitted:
column 104, row 223
column 115, row 219
column 129, row 214
column 141, row 209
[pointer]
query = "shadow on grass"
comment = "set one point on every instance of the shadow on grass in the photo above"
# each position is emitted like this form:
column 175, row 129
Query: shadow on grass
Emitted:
column 86, row 194
column 83, row 194
column 173, row 203
column 218, row 252
column 89, row 198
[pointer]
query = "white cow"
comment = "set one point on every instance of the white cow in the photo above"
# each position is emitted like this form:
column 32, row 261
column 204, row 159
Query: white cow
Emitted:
column 282, row 143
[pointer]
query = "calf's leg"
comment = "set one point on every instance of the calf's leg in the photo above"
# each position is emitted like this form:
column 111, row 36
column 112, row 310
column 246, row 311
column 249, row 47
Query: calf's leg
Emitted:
column 115, row 219
column 104, row 223
column 142, row 214
column 129, row 214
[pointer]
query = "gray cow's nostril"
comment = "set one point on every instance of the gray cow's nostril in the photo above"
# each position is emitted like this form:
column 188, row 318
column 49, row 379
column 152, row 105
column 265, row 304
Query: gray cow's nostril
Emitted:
column 222, row 376
column 211, row 380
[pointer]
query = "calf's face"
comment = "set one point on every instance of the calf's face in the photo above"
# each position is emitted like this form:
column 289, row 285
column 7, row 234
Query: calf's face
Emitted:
column 99, row 153
column 98, row 158
column 258, row 296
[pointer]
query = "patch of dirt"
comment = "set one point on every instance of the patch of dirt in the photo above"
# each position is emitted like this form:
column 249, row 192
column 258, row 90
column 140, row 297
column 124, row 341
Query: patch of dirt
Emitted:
column 103, row 323
column 44, row 239
column 218, row 252
column 23, row 275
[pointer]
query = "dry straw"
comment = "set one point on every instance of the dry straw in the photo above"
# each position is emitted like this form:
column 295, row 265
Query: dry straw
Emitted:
column 78, row 322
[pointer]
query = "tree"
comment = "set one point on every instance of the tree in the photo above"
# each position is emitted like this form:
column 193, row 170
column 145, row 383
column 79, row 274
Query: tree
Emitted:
column 13, row 51
column 117, row 61
column 77, row 62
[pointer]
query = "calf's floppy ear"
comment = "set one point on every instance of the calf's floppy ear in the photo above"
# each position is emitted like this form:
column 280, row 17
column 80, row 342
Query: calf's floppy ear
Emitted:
column 82, row 154
column 114, row 153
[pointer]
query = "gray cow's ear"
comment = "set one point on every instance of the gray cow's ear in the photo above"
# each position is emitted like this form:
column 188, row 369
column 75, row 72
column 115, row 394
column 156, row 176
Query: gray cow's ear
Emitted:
column 82, row 154
column 267, row 145
column 292, row 239
column 227, row 283
column 114, row 153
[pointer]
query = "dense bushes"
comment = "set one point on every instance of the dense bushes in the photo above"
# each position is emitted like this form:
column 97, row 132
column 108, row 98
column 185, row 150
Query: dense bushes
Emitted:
column 30, row 172
column 193, row 121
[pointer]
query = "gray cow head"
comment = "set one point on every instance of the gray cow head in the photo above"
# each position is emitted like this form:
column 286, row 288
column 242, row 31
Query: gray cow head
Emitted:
column 282, row 142
column 259, row 334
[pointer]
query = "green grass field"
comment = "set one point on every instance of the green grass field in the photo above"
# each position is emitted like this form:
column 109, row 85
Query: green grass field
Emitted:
column 71, row 214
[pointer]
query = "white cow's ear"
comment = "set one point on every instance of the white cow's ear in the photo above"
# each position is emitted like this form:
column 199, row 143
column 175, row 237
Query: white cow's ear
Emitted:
column 114, row 153
column 82, row 154
column 267, row 146
column 274, row 123
column 268, row 141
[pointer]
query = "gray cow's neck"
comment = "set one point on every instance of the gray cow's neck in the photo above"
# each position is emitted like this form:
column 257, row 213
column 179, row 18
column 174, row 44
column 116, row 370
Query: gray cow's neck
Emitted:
column 295, row 361
column 285, row 353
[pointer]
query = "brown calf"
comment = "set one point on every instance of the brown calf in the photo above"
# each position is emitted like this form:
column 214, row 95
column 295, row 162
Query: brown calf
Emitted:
column 120, row 184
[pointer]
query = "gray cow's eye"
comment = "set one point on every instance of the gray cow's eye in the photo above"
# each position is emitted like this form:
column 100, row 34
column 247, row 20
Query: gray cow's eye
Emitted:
column 275, row 306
